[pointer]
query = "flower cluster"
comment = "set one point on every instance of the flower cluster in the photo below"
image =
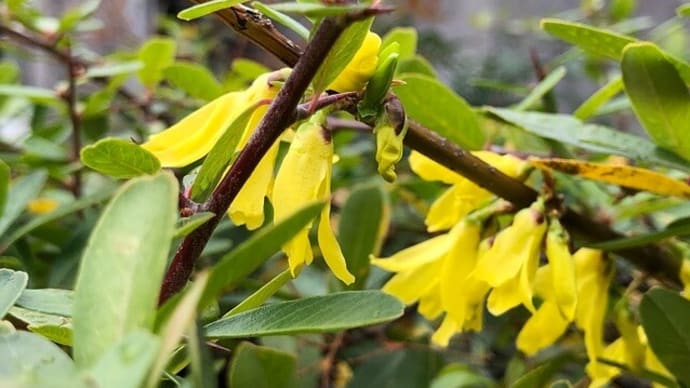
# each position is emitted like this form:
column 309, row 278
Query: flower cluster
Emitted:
column 460, row 271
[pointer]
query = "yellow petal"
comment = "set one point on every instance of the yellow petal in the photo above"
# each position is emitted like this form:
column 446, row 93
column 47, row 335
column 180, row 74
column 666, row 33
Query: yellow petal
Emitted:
column 505, row 297
column 330, row 249
column 298, row 251
column 601, row 373
column 409, row 286
column 360, row 68
column 248, row 206
column 562, row 269
column 445, row 331
column 42, row 205
column 429, row 170
column 430, row 305
column 685, row 277
column 542, row 329
column 415, row 256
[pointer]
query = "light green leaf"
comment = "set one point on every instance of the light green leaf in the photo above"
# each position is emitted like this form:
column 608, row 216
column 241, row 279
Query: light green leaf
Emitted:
column 54, row 327
column 156, row 54
column 665, row 317
column 599, row 98
column 594, row 40
column 205, row 8
column 196, row 80
column 683, row 10
column 21, row 192
column 542, row 88
column 261, row 295
column 659, row 97
column 58, row 213
column 457, row 375
column 35, row 94
column 4, row 185
column 28, row 359
column 123, row 264
column 341, row 53
column 12, row 283
column 220, row 157
column 48, row 300
column 119, row 158
column 127, row 363
column 246, row 258
column 318, row 314
column 113, row 69
column 435, row 106
column 317, row 9
column 406, row 38
column 596, row 138
column 363, row 222
column 250, row 363
column 189, row 224
column 283, row 19
column 416, row 64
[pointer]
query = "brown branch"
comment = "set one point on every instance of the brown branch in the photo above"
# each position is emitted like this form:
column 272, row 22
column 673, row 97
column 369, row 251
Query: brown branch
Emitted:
column 75, row 119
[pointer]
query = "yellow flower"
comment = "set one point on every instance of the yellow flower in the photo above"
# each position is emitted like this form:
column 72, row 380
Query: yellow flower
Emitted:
column 436, row 273
column 360, row 68
column 463, row 196
column 196, row 134
column 510, row 265
column 305, row 176
column 42, row 205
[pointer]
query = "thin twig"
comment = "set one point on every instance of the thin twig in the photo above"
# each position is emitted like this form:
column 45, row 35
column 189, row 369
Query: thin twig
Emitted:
column 75, row 120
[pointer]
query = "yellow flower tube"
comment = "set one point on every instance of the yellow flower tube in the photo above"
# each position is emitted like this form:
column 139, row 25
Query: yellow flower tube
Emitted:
column 360, row 68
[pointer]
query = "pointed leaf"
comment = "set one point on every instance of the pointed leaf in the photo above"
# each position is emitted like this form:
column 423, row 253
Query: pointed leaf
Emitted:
column 187, row 225
column 665, row 317
column 319, row 314
column 54, row 327
column 20, row 193
column 250, row 363
column 48, row 300
column 295, row 26
column 33, row 93
column 119, row 158
column 123, row 265
column 12, row 283
column 406, row 37
column 541, row 89
column 317, row 9
column 435, row 106
column 598, row 99
column 205, row 8
column 261, row 295
column 659, row 96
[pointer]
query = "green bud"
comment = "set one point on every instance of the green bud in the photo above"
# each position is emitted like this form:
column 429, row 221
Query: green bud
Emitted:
column 380, row 82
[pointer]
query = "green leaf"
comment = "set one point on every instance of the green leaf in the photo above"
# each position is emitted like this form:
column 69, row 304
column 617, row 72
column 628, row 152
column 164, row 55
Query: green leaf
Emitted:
column 594, row 40
column 113, row 69
column 542, row 88
column 341, row 53
column 435, row 106
column 541, row 375
column 318, row 314
column 56, row 214
column 261, row 295
column 417, row 64
column 648, row 238
column 363, row 222
column 220, row 156
column 21, row 192
column 659, row 97
column 189, row 224
column 127, row 363
column 54, row 327
column 317, row 9
column 119, row 158
column 196, row 80
column 411, row 367
column 406, row 38
column 683, row 10
column 156, row 54
column 35, row 94
column 48, row 300
column 30, row 360
column 665, row 317
column 12, row 283
column 283, row 19
column 457, row 375
column 4, row 185
column 596, row 138
column 123, row 264
column 598, row 99
column 251, row 362
column 205, row 8
column 247, row 257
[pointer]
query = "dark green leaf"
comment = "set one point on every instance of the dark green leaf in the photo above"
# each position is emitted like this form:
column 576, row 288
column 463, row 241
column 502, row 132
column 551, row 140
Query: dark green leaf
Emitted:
column 460, row 376
column 636, row 241
column 406, row 38
column 48, row 300
column 156, row 54
column 318, row 314
column 363, row 221
column 658, row 95
column 4, row 185
column 21, row 192
column 187, row 225
column 123, row 264
column 196, row 80
column 246, row 258
column 12, row 283
column 665, row 317
column 541, row 375
column 591, row 137
column 205, row 8
column 412, row 367
column 435, row 106
column 119, row 158
column 341, row 53
column 220, row 156
column 251, row 362
column 30, row 360
column 126, row 363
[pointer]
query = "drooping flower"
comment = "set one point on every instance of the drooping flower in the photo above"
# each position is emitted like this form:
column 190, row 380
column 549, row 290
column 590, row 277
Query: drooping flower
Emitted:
column 511, row 263
column 305, row 176
column 360, row 68
column 463, row 196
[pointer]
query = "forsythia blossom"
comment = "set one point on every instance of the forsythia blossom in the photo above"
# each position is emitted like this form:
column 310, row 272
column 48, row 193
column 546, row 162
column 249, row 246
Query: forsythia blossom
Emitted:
column 360, row 68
